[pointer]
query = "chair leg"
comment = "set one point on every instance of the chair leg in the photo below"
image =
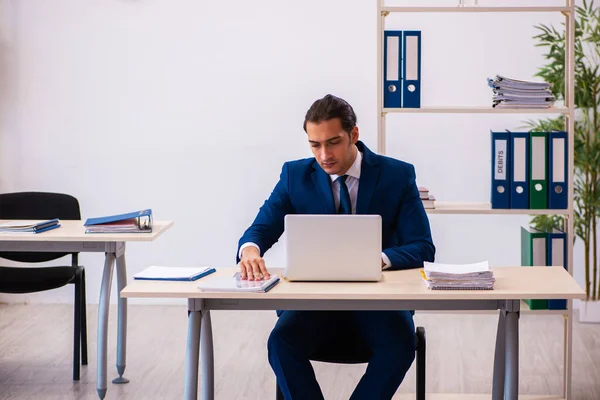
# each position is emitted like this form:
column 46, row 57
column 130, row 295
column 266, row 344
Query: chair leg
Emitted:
column 77, row 324
column 279, row 394
column 84, row 354
column 421, row 363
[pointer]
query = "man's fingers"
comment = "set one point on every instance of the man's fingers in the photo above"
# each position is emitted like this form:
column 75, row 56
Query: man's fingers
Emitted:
column 255, row 270
column 263, row 269
column 243, row 272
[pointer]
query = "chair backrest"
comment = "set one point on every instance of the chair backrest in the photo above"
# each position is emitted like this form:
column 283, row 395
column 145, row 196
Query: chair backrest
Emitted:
column 37, row 205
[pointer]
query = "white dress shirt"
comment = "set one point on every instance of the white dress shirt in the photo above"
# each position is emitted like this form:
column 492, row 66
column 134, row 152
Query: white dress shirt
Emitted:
column 352, row 182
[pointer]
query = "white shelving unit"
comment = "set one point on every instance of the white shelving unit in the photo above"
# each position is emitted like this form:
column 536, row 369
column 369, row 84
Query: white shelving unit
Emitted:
column 485, row 208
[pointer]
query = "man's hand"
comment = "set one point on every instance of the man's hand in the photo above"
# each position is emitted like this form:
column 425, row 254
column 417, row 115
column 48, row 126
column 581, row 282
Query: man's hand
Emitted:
column 252, row 265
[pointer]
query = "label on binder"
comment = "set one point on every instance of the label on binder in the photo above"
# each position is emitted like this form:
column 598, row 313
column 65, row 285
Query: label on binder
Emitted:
column 500, row 160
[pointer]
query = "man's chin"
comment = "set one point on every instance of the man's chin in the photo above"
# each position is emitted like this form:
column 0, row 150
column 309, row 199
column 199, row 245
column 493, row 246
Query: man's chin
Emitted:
column 331, row 169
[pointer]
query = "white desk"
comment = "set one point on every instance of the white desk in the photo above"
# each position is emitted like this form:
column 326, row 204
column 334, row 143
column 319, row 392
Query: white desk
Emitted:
column 71, row 238
column 398, row 290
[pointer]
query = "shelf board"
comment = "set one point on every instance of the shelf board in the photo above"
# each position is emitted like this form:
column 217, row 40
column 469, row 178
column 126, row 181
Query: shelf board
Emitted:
column 475, row 9
column 477, row 110
column 442, row 207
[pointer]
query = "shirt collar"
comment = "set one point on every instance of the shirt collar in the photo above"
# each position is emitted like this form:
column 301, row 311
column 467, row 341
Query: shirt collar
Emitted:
column 354, row 170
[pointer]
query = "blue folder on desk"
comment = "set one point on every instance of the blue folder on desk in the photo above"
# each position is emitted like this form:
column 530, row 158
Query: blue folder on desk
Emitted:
column 186, row 274
column 133, row 222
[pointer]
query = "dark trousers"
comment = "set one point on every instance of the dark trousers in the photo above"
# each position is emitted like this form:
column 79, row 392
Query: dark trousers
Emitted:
column 389, row 337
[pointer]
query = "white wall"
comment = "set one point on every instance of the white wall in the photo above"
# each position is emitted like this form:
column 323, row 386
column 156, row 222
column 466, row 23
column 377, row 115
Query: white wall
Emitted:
column 190, row 108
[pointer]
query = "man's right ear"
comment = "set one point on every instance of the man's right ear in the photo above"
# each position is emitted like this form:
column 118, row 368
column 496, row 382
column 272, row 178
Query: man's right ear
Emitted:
column 354, row 135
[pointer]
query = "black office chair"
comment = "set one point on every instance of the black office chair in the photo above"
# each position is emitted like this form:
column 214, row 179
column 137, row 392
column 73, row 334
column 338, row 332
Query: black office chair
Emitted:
column 339, row 354
column 39, row 205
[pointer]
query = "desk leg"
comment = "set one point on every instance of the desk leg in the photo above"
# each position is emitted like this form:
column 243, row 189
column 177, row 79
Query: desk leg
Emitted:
column 511, row 383
column 190, row 391
column 109, row 262
column 499, row 360
column 122, row 321
column 206, row 344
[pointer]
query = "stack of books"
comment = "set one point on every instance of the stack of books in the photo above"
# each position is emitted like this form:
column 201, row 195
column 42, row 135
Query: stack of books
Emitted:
column 427, row 198
column 476, row 276
column 513, row 93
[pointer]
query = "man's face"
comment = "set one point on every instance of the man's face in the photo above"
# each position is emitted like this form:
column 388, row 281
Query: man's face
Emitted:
column 332, row 146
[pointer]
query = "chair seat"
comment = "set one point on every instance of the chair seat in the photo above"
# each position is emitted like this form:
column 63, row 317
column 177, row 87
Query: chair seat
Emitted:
column 28, row 280
column 348, row 349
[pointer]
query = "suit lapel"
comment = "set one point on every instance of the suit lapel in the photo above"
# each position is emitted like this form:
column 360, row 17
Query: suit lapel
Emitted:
column 369, row 176
column 322, row 183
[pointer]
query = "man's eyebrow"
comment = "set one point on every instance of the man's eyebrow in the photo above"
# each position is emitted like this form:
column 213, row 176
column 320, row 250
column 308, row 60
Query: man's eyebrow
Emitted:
column 328, row 140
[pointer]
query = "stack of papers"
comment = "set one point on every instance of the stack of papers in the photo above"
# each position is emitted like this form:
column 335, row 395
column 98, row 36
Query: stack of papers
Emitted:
column 476, row 276
column 134, row 222
column 512, row 93
column 29, row 226
column 237, row 284
column 155, row 273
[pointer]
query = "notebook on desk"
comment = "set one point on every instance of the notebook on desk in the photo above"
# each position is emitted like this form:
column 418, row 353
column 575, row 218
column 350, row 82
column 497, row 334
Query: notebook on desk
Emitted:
column 29, row 226
column 157, row 273
column 133, row 222
column 236, row 284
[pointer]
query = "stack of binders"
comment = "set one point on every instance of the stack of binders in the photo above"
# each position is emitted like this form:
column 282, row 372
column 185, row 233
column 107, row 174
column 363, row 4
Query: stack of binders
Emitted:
column 512, row 93
column 427, row 198
column 402, row 69
column 529, row 170
column 133, row 222
column 538, row 249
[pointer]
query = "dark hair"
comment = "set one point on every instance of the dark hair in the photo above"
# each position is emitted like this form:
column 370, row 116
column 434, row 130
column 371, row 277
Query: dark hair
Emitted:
column 330, row 107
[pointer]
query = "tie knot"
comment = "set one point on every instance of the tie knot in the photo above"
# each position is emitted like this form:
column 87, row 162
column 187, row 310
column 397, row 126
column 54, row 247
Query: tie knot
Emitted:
column 342, row 179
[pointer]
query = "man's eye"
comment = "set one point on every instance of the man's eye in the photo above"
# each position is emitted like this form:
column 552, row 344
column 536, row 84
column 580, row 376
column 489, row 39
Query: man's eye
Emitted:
column 314, row 146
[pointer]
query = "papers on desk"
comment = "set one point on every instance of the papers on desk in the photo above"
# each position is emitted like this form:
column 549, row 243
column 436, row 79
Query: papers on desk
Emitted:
column 29, row 226
column 237, row 284
column 156, row 273
column 513, row 93
column 476, row 276
column 133, row 222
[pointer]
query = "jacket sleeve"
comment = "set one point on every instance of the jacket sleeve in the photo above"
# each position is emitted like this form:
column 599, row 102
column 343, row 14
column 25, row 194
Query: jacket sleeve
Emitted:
column 268, row 225
column 413, row 233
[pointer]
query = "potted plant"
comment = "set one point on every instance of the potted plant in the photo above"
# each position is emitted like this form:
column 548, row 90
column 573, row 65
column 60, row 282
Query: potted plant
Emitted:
column 587, row 137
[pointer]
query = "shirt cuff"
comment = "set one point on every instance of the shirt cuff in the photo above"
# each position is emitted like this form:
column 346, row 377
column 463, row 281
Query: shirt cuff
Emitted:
column 386, row 261
column 247, row 244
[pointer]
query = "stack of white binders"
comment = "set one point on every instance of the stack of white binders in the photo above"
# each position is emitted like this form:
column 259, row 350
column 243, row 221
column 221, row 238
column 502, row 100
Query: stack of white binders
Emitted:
column 512, row 93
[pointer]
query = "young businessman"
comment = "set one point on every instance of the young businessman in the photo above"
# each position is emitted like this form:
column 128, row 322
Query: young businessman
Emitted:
column 343, row 177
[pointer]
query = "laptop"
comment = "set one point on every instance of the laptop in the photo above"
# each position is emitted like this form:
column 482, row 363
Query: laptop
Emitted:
column 332, row 247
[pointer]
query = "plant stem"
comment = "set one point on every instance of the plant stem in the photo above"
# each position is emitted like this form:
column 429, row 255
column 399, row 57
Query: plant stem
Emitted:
column 587, row 214
column 594, row 134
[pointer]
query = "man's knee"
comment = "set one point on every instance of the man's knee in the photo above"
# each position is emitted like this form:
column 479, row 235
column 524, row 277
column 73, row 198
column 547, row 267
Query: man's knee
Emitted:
column 281, row 339
column 397, row 355
column 275, row 340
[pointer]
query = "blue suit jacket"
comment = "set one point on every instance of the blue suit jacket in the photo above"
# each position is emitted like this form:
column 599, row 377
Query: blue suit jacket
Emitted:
column 387, row 187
